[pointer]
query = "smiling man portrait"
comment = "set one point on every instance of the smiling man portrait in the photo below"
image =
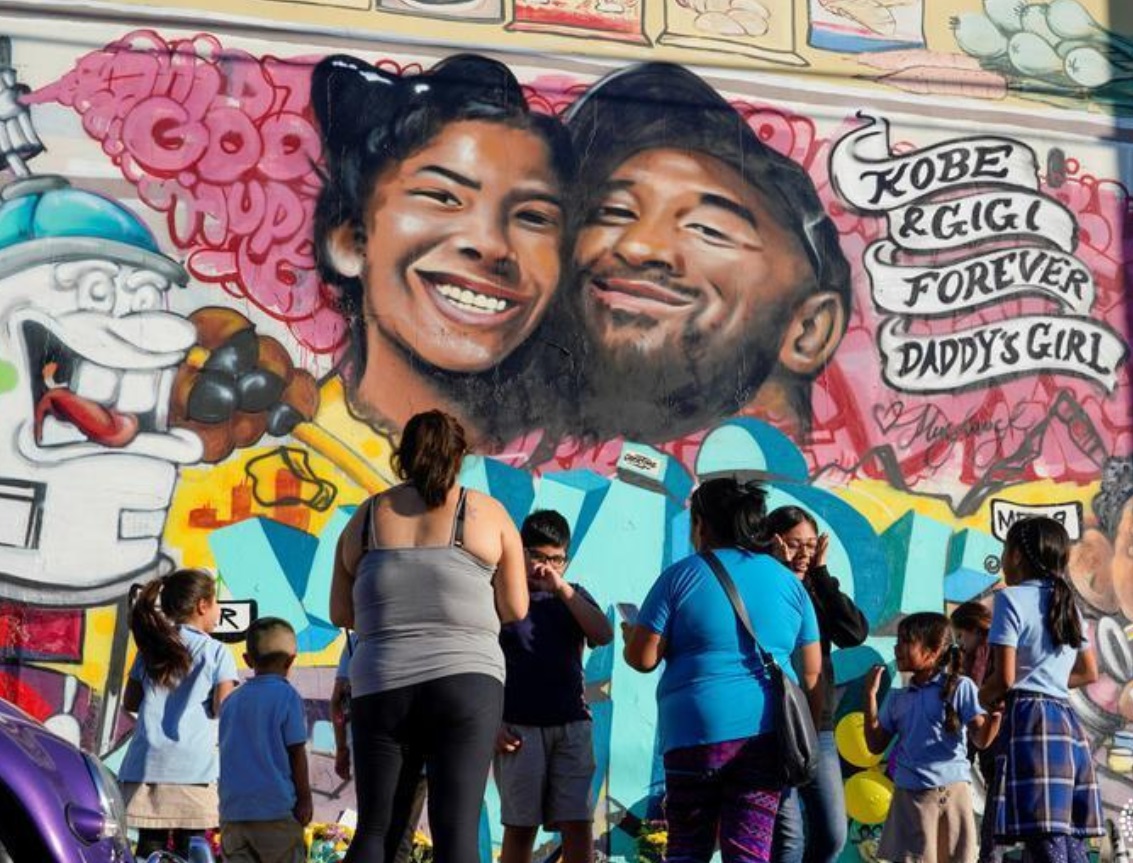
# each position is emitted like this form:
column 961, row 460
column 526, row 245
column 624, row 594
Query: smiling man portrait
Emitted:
column 708, row 280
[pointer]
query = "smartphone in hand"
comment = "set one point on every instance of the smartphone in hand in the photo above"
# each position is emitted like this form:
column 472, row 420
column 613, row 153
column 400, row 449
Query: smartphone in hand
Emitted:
column 628, row 612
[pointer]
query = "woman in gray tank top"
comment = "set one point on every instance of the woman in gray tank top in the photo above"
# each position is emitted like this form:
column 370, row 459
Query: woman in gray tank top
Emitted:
column 425, row 573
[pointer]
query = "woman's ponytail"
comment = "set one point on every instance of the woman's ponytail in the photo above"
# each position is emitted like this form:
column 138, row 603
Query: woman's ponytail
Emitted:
column 732, row 511
column 430, row 453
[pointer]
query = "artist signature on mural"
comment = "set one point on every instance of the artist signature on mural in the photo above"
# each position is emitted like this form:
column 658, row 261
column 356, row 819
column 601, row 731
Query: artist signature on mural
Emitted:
column 929, row 424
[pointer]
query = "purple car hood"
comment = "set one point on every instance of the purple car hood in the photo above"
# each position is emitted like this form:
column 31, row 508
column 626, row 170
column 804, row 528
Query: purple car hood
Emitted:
column 46, row 774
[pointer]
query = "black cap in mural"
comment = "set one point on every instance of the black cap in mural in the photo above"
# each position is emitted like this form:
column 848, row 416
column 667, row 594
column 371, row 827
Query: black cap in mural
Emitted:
column 663, row 105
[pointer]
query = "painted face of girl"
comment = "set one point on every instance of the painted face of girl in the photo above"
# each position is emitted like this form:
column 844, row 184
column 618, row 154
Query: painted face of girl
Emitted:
column 800, row 544
column 463, row 246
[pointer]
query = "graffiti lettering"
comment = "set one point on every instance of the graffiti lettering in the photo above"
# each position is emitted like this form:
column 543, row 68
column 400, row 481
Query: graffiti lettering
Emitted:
column 929, row 424
column 1032, row 343
column 947, row 166
column 927, row 227
column 976, row 282
column 1004, row 514
column 927, row 216
column 872, row 178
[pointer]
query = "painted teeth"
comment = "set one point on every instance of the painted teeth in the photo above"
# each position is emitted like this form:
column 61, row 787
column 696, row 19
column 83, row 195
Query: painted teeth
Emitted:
column 95, row 382
column 471, row 300
column 138, row 392
column 127, row 391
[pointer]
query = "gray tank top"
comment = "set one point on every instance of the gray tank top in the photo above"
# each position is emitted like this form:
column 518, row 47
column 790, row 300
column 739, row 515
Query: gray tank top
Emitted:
column 422, row 613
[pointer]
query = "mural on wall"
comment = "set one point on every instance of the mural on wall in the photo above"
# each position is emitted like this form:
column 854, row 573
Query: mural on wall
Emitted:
column 622, row 285
column 746, row 27
column 617, row 20
column 866, row 25
column 1053, row 48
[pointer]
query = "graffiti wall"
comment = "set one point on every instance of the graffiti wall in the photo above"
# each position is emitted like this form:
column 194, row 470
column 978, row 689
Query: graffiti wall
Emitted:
column 872, row 253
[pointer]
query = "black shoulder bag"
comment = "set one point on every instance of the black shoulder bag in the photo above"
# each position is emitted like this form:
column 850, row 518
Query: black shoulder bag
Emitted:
column 794, row 726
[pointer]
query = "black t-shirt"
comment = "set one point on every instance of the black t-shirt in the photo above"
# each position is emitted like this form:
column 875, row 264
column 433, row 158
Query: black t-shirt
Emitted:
column 544, row 664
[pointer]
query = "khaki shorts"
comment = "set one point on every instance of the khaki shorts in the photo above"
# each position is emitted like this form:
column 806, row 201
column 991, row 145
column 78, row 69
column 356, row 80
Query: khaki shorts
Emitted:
column 263, row 841
column 547, row 780
column 935, row 825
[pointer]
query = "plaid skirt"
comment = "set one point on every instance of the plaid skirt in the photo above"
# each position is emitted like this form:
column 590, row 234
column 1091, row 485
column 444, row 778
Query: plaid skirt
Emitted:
column 1045, row 779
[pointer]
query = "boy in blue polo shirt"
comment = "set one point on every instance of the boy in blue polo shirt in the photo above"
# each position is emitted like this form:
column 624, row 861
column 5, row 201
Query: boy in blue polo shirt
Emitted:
column 265, row 792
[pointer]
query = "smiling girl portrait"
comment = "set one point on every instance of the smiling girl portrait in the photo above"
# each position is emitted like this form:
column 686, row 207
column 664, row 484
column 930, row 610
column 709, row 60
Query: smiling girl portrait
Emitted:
column 442, row 223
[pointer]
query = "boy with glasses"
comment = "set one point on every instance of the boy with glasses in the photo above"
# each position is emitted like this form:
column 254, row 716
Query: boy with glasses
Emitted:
column 544, row 762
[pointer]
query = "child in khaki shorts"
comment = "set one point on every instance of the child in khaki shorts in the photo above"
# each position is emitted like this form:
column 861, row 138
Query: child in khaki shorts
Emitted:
column 265, row 793
column 930, row 819
column 544, row 762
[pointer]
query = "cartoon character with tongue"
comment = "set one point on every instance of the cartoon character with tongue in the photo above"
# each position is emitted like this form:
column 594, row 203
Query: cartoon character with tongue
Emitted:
column 89, row 459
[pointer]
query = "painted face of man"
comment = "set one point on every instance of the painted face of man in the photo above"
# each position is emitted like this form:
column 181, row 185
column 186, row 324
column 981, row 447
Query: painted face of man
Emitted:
column 684, row 273
column 462, row 249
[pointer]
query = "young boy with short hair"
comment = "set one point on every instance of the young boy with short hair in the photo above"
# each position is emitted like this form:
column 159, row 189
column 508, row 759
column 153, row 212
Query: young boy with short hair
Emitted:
column 544, row 762
column 265, row 792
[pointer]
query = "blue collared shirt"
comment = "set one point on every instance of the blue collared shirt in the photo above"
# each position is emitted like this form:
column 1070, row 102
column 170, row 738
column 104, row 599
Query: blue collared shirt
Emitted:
column 258, row 722
column 1019, row 620
column 929, row 756
column 174, row 740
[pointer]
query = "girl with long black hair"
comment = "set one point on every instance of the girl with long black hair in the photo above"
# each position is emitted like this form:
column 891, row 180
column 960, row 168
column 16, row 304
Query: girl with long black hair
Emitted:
column 1046, row 794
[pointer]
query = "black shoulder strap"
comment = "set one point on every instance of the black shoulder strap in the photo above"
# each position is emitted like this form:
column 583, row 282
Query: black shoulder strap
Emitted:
column 457, row 537
column 368, row 533
column 737, row 602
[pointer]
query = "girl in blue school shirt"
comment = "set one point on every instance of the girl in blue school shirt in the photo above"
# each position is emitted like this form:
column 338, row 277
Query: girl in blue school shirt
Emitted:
column 176, row 686
column 930, row 818
column 1046, row 794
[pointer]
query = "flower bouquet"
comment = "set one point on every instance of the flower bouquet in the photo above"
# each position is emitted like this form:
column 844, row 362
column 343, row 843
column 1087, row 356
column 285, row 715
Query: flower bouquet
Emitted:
column 327, row 843
column 651, row 841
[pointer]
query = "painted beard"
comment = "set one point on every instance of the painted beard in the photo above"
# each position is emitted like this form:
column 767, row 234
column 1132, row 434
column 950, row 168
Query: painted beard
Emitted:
column 682, row 385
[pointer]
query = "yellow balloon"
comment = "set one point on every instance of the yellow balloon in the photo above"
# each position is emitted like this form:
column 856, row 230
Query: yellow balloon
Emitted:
column 849, row 735
column 868, row 795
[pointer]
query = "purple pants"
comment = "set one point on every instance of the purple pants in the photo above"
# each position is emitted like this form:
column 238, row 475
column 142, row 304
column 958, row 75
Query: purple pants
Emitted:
column 727, row 791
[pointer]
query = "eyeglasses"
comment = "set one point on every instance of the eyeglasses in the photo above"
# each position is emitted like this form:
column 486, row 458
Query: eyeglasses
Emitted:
column 558, row 561
column 795, row 546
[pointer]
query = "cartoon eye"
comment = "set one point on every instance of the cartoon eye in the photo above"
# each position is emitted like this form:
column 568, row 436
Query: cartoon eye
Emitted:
column 96, row 292
column 145, row 299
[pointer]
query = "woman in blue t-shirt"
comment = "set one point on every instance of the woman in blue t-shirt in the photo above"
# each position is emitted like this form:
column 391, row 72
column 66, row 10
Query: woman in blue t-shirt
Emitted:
column 714, row 701
column 1046, row 795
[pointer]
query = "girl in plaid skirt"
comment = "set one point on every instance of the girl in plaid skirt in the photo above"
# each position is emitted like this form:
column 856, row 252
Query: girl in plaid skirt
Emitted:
column 1045, row 795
